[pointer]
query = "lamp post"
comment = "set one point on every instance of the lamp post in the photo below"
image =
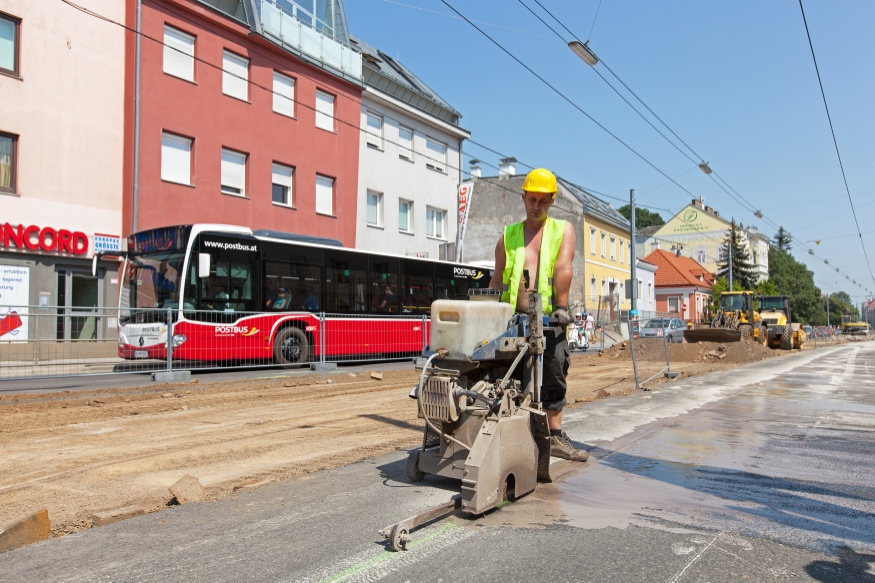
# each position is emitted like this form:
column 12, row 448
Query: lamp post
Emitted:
column 634, row 280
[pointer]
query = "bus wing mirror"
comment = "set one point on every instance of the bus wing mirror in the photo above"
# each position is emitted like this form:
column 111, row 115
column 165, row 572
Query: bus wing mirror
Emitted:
column 203, row 265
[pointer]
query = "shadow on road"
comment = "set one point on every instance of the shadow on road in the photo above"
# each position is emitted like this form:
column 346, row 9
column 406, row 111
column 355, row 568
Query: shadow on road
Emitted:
column 853, row 566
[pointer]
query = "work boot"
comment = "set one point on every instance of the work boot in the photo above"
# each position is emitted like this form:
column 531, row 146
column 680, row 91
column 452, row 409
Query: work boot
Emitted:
column 561, row 447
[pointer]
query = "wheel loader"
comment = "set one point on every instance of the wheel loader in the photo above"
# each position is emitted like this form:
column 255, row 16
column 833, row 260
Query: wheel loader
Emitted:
column 735, row 320
column 780, row 331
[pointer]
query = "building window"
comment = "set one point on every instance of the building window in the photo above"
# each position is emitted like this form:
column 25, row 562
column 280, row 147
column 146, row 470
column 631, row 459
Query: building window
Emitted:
column 674, row 304
column 405, row 143
column 721, row 253
column 8, row 162
column 592, row 288
column 178, row 53
column 437, row 154
column 235, row 76
column 702, row 255
column 592, row 245
column 650, row 291
column 604, row 288
column 435, row 220
column 622, row 247
column 175, row 158
column 405, row 216
column 375, row 209
column 324, row 111
column 9, row 44
column 604, row 245
column 233, row 172
column 753, row 256
column 374, row 133
column 281, row 186
column 613, row 248
column 283, row 94
column 324, row 195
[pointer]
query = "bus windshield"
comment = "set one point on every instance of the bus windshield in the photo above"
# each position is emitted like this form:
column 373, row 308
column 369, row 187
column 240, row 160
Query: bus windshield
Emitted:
column 151, row 280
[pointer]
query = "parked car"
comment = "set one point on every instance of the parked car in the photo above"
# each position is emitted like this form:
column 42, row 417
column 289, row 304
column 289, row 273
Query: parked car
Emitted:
column 809, row 331
column 672, row 328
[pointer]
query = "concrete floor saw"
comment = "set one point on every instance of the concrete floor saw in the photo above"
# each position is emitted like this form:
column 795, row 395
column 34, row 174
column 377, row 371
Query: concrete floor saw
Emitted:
column 480, row 397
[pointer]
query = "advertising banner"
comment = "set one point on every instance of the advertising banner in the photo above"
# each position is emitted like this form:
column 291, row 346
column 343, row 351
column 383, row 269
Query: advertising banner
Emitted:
column 466, row 190
column 14, row 298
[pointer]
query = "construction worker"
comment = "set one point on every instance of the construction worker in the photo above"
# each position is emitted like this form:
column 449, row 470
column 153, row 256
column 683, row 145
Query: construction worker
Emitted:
column 545, row 247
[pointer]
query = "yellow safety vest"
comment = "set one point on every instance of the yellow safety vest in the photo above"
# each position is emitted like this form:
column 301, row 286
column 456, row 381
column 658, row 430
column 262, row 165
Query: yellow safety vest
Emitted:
column 515, row 260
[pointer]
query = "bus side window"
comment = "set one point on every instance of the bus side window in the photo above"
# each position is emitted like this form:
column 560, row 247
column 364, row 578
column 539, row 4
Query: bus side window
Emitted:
column 417, row 293
column 384, row 286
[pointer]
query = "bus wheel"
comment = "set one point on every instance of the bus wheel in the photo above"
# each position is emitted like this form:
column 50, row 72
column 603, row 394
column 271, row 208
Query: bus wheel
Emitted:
column 291, row 346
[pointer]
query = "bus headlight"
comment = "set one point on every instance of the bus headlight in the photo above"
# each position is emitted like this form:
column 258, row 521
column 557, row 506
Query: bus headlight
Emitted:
column 178, row 339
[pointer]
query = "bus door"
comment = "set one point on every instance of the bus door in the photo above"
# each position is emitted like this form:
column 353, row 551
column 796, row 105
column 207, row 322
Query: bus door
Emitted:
column 417, row 294
column 224, row 300
column 384, row 326
column 346, row 303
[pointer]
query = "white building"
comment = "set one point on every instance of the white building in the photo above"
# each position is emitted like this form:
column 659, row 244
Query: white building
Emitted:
column 409, row 162
column 646, row 274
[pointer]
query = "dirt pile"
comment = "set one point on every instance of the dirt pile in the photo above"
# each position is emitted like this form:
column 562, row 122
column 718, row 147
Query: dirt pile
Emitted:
column 654, row 351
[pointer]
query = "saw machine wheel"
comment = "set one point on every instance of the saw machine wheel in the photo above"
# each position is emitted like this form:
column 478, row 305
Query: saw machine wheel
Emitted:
column 399, row 538
column 413, row 471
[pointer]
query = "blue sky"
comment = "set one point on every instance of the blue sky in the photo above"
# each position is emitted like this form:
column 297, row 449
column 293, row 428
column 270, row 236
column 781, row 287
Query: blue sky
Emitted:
column 734, row 80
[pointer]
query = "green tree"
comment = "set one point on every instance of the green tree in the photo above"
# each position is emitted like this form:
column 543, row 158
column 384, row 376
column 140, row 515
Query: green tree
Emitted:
column 742, row 269
column 643, row 217
column 794, row 279
column 768, row 288
column 782, row 240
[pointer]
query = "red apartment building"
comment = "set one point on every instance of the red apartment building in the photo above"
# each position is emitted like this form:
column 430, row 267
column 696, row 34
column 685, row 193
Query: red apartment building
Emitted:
column 683, row 286
column 248, row 114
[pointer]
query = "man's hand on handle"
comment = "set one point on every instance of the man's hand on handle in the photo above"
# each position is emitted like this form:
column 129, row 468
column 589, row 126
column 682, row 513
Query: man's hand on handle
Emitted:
column 562, row 317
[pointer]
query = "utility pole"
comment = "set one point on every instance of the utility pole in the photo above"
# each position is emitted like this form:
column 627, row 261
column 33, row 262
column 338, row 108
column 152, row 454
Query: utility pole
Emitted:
column 634, row 279
column 827, row 309
column 731, row 243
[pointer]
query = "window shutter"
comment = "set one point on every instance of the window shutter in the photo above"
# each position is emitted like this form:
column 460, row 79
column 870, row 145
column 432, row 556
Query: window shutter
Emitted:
column 324, row 111
column 283, row 94
column 175, row 158
column 233, row 172
column 235, row 76
column 178, row 53
column 375, row 130
column 437, row 152
column 324, row 195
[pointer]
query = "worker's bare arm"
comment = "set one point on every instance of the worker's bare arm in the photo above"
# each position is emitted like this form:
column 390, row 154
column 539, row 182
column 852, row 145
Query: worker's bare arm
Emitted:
column 500, row 260
column 564, row 270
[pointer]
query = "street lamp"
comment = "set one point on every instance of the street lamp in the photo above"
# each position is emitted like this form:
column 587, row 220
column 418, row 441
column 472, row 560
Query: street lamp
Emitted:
column 583, row 51
column 703, row 166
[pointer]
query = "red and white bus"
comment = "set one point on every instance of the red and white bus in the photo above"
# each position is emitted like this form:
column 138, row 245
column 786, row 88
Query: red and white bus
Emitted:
column 236, row 294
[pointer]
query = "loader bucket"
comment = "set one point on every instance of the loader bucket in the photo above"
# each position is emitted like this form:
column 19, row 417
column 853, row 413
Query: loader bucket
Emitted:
column 712, row 335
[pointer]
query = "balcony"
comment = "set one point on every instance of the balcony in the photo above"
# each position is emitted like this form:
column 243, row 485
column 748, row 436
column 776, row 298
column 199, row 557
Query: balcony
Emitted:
column 288, row 30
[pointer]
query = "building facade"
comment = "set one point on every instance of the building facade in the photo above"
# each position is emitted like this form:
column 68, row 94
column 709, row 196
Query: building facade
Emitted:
column 698, row 232
column 646, row 274
column 247, row 112
column 61, row 143
column 409, row 162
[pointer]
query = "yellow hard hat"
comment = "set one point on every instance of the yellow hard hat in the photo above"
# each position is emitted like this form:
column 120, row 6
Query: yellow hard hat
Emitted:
column 540, row 180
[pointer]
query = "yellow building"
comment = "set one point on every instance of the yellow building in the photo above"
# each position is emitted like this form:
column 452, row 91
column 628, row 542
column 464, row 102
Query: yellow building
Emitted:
column 606, row 254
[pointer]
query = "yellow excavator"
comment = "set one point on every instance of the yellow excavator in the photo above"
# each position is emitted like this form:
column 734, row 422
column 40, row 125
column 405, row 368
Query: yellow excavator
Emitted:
column 736, row 319
column 778, row 331
column 851, row 326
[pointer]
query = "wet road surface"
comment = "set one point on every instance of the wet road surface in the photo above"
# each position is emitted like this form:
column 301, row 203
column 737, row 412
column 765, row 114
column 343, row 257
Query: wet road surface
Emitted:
column 763, row 473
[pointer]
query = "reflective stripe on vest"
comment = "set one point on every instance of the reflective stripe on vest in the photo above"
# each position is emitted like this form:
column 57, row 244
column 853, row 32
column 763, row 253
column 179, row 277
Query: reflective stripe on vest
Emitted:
column 515, row 260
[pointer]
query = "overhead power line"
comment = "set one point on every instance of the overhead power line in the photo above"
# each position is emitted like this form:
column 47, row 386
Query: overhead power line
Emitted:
column 565, row 97
column 834, row 141
column 714, row 176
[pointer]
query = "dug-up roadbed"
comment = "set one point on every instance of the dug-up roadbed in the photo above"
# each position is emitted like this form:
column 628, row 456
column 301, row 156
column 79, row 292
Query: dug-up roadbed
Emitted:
column 79, row 454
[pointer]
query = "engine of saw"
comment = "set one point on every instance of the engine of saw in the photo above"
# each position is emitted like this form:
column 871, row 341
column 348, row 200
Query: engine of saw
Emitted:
column 480, row 399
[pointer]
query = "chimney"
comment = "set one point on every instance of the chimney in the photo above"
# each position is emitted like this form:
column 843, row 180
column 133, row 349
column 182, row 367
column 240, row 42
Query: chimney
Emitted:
column 507, row 167
column 476, row 171
column 709, row 209
column 699, row 203
column 716, row 214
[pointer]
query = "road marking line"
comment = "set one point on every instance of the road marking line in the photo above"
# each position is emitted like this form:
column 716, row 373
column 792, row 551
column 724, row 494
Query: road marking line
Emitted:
column 698, row 556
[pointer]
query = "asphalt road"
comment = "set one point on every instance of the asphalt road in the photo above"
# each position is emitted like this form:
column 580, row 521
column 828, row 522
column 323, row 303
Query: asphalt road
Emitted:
column 760, row 474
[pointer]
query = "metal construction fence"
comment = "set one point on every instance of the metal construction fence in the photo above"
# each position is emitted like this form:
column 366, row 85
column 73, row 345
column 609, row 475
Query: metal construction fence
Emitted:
column 62, row 341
